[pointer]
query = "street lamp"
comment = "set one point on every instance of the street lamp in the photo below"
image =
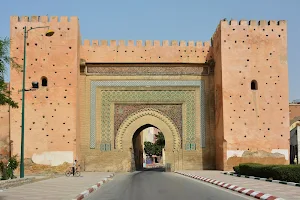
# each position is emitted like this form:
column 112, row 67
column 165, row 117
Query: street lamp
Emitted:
column 49, row 33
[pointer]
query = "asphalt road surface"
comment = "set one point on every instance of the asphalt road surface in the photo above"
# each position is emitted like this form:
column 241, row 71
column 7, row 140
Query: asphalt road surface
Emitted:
column 155, row 184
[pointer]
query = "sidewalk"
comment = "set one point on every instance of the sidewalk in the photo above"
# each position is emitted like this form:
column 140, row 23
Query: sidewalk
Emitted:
column 282, row 191
column 61, row 188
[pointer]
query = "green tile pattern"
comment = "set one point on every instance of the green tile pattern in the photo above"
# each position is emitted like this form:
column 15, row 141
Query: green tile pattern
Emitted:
column 146, row 96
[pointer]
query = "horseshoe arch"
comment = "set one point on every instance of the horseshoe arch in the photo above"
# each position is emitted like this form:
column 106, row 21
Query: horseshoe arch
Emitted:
column 143, row 117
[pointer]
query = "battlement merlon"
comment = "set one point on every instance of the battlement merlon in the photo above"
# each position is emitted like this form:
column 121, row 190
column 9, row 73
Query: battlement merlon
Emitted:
column 146, row 43
column 44, row 19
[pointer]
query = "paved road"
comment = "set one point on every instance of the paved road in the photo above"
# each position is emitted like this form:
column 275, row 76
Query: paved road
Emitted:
column 158, row 185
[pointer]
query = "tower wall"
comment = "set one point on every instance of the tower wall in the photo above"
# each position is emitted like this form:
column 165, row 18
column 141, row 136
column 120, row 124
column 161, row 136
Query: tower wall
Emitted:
column 50, row 111
column 252, row 120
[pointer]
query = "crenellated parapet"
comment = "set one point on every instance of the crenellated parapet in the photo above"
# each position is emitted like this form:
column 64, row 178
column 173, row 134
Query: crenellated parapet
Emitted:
column 139, row 43
column 254, row 22
column 44, row 19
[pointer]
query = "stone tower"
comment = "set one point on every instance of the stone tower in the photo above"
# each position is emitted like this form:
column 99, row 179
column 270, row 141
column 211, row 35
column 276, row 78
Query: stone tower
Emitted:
column 251, row 85
column 51, row 112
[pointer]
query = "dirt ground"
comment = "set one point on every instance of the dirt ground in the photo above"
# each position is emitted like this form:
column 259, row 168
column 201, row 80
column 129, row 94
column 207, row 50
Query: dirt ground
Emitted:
column 34, row 169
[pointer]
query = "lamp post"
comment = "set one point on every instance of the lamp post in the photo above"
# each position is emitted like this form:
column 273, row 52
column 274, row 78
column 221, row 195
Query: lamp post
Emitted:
column 49, row 33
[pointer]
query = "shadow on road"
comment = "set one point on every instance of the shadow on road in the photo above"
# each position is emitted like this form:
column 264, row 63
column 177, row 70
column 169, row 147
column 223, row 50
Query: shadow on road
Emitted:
column 158, row 169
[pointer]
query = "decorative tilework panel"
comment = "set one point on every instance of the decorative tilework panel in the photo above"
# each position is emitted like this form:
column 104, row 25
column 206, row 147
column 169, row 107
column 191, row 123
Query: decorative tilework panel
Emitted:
column 95, row 84
column 147, row 96
column 173, row 111
column 105, row 147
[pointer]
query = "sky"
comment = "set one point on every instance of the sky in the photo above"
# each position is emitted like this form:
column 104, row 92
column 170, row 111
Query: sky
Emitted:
column 164, row 20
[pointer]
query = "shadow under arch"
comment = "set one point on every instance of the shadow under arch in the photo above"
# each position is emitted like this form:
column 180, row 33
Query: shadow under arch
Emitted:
column 144, row 118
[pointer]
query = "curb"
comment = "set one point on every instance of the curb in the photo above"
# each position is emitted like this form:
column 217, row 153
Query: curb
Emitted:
column 249, row 192
column 4, row 184
column 262, row 179
column 95, row 187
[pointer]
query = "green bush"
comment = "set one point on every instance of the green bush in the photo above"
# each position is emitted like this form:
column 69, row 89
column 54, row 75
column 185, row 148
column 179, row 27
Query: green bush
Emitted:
column 236, row 169
column 8, row 170
column 263, row 171
column 244, row 167
column 290, row 173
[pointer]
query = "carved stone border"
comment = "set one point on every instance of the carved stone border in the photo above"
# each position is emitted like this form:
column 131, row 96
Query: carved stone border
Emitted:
column 133, row 69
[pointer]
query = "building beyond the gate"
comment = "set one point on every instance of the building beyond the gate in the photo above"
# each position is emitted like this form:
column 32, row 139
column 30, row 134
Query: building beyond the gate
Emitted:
column 218, row 103
column 294, row 130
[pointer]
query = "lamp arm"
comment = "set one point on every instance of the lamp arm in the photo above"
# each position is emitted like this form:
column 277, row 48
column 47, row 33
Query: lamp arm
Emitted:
column 37, row 28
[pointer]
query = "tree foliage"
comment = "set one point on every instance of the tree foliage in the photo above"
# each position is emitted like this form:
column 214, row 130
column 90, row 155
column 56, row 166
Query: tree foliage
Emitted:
column 155, row 148
column 160, row 139
column 7, row 170
column 148, row 147
column 5, row 58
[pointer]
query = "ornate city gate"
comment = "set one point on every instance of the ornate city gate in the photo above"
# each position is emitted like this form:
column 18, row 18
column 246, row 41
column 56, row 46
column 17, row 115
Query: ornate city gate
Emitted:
column 211, row 120
column 155, row 94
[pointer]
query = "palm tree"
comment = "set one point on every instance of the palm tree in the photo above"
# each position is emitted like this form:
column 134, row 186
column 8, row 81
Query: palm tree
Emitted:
column 5, row 58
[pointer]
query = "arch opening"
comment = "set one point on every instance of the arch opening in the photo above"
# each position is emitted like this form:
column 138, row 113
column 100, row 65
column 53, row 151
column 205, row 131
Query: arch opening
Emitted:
column 148, row 144
column 127, row 135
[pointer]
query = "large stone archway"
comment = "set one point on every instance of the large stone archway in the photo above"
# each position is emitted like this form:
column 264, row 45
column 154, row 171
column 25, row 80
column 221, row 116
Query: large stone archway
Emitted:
column 120, row 108
column 156, row 118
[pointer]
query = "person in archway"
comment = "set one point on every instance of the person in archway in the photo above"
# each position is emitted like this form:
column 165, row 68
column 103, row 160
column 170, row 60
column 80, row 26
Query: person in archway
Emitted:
column 74, row 167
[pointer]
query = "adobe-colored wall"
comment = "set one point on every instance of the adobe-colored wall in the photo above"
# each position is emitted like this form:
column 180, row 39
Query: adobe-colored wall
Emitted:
column 251, row 51
column 294, row 112
column 50, row 112
column 4, row 131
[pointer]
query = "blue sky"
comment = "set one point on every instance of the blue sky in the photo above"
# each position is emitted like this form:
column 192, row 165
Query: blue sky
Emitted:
column 164, row 20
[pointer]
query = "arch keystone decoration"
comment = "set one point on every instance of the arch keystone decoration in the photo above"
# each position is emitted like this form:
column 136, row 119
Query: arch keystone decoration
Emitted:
column 147, row 116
